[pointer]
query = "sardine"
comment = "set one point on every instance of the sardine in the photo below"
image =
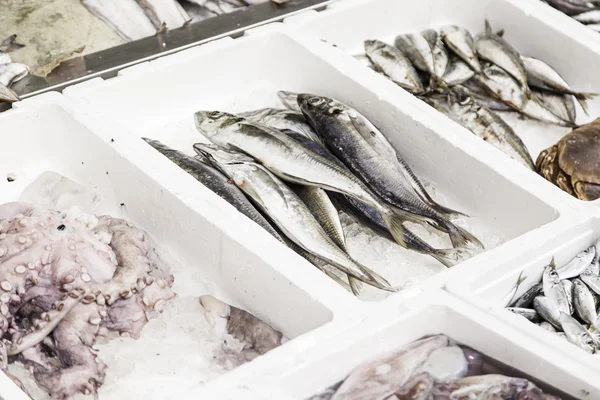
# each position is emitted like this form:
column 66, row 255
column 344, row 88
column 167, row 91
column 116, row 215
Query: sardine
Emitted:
column 547, row 310
column 363, row 213
column 583, row 302
column 528, row 313
column 285, row 208
column 553, row 289
column 289, row 100
column 215, row 181
column 561, row 105
column 495, row 49
column 588, row 17
column 392, row 63
column 483, row 98
column 13, row 72
column 418, row 51
column 438, row 50
column 526, row 300
column 283, row 119
column 578, row 264
column 295, row 163
column 543, row 76
column 460, row 41
column 125, row 17
column 457, row 72
column 502, row 86
column 8, row 95
column 487, row 125
column 576, row 333
column 367, row 153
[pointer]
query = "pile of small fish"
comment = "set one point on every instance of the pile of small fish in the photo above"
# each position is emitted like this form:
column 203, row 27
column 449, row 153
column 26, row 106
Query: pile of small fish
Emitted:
column 472, row 78
column 566, row 300
column 295, row 164
column 10, row 72
column 136, row 19
column 585, row 11
column 435, row 367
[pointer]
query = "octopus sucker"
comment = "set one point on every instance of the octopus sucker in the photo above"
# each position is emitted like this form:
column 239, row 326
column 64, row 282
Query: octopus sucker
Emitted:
column 78, row 277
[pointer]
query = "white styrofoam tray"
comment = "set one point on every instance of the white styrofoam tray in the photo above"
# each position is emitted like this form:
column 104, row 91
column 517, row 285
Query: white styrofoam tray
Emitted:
column 331, row 360
column 215, row 249
column 533, row 28
column 489, row 287
column 158, row 99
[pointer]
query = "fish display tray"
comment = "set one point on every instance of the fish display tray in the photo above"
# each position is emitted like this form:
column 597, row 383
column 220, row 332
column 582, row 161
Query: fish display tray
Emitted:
column 95, row 127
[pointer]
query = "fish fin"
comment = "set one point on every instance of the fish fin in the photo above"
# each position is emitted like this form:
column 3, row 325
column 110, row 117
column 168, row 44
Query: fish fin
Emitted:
column 10, row 44
column 376, row 280
column 355, row 285
column 500, row 33
column 488, row 27
column 450, row 257
column 460, row 237
column 582, row 100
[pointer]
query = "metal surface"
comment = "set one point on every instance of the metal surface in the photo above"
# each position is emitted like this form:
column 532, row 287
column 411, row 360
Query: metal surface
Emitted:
column 108, row 62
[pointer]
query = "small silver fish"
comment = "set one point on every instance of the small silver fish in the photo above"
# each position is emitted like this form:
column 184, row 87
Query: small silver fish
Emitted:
column 535, row 110
column 578, row 264
column 501, row 85
column 547, row 310
column 553, row 289
column 418, row 51
column 460, row 41
column 440, row 55
column 482, row 97
column 526, row 300
column 576, row 333
column 583, row 302
column 528, row 313
column 13, row 72
column 283, row 119
column 457, row 72
column 547, row 326
column 394, row 64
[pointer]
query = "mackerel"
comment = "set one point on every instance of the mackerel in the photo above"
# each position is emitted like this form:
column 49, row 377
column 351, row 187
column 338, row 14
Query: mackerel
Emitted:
column 460, row 41
column 393, row 63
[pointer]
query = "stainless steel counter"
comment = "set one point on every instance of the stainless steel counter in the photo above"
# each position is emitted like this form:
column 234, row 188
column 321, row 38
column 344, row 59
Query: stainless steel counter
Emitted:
column 108, row 62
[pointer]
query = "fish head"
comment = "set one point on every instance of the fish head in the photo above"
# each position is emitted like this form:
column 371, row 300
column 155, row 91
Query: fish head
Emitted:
column 373, row 45
column 313, row 106
column 210, row 123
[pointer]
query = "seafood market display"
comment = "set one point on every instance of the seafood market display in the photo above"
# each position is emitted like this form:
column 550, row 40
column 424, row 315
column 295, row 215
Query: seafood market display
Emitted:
column 10, row 72
column 572, row 163
column 586, row 12
column 291, row 170
column 473, row 78
column 565, row 301
column 434, row 367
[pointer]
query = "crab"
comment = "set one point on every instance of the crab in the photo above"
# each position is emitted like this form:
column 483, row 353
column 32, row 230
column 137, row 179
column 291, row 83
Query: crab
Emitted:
column 573, row 164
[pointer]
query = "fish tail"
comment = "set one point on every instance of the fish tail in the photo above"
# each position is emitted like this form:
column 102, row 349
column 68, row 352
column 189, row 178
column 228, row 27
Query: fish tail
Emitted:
column 355, row 285
column 461, row 238
column 449, row 257
column 375, row 280
column 488, row 26
column 582, row 100
column 10, row 44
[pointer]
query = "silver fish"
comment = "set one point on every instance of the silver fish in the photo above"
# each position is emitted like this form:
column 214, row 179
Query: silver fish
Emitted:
column 367, row 153
column 571, row 7
column 438, row 50
column 589, row 17
column 568, row 289
column 495, row 49
column 289, row 100
column 502, row 86
column 547, row 326
column 418, row 51
column 487, row 125
column 393, row 64
column 535, row 110
column 283, row 119
column 583, row 302
column 576, row 333
column 285, row 208
column 457, row 72
column 369, row 382
column 13, row 72
column 578, row 264
column 8, row 95
column 527, row 313
column 553, row 289
column 295, row 163
column 460, row 41
column 484, row 98
column 543, row 76
column 547, row 310
column 561, row 105
column 526, row 300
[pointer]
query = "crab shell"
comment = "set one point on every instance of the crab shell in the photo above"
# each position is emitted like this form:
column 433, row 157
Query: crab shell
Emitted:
column 573, row 164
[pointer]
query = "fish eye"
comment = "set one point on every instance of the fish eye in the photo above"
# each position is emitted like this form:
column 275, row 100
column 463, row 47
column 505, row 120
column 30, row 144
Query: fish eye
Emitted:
column 214, row 114
column 315, row 101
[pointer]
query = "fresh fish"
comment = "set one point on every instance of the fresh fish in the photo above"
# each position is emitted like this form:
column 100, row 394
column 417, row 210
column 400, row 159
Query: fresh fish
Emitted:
column 553, row 289
column 361, row 212
column 10, row 44
column 561, row 105
column 418, row 51
column 8, row 95
column 547, row 326
column 496, row 50
column 588, row 17
column 384, row 376
column 215, row 181
column 289, row 100
column 547, row 310
column 283, row 119
column 393, row 64
column 583, row 302
column 457, row 72
column 483, row 98
column 576, row 333
column 285, row 208
column 293, row 162
column 438, row 50
column 460, row 41
column 568, row 288
column 527, row 313
column 578, row 264
column 543, row 76
column 13, row 72
column 526, row 300
column 571, row 7
column 487, row 125
column 364, row 149
column 125, row 17
column 502, row 86
column 535, row 110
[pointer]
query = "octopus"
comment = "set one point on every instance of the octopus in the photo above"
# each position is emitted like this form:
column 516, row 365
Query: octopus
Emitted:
column 67, row 279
